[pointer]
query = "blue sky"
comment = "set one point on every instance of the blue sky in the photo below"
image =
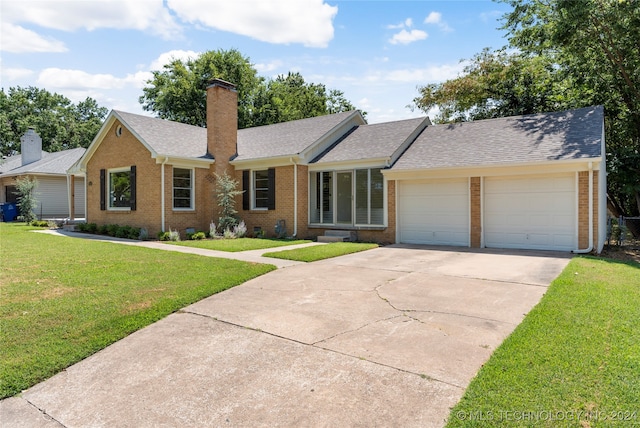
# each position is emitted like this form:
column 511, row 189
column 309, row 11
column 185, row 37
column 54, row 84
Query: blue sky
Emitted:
column 376, row 52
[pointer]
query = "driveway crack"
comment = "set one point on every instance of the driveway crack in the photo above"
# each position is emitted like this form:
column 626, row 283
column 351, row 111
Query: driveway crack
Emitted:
column 354, row 330
column 44, row 412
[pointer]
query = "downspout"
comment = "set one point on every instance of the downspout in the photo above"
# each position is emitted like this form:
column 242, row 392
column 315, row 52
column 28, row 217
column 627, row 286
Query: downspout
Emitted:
column 590, row 248
column 162, row 192
column 295, row 197
column 69, row 196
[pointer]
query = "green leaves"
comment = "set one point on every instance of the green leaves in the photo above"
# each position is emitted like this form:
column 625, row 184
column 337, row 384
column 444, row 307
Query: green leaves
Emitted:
column 178, row 92
column 61, row 124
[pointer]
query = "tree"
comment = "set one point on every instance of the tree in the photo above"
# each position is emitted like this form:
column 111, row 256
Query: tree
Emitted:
column 565, row 54
column 595, row 43
column 178, row 92
column 497, row 84
column 226, row 192
column 27, row 202
column 61, row 124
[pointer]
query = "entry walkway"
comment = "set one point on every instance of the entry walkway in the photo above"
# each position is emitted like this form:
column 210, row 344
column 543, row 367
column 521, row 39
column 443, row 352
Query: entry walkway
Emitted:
column 254, row 256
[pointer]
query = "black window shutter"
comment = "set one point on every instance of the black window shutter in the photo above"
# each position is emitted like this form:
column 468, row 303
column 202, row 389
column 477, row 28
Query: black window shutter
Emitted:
column 246, row 194
column 132, row 183
column 103, row 189
column 271, row 201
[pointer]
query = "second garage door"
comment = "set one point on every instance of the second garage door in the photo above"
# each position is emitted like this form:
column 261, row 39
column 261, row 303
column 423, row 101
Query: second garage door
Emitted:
column 434, row 212
column 530, row 212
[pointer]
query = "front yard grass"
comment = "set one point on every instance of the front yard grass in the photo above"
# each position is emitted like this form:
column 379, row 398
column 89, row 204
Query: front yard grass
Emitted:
column 239, row 244
column 63, row 299
column 574, row 360
column 321, row 252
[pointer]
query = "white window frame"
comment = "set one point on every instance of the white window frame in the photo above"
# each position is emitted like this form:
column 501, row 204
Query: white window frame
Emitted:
column 253, row 189
column 108, row 189
column 353, row 200
column 192, row 188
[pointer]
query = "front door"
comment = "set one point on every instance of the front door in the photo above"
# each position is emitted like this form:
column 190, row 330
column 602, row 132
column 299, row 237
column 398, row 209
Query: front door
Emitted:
column 345, row 197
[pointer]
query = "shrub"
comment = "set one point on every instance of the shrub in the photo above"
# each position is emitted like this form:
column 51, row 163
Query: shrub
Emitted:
column 240, row 230
column 163, row 236
column 228, row 234
column 226, row 192
column 174, row 235
column 197, row 236
column 103, row 229
column 27, row 202
column 144, row 234
column 82, row 227
column 112, row 229
column 40, row 223
column 212, row 230
column 90, row 227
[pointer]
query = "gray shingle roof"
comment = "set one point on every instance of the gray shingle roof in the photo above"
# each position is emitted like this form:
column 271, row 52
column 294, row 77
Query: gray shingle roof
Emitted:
column 375, row 141
column 166, row 137
column 572, row 134
column 287, row 138
column 51, row 163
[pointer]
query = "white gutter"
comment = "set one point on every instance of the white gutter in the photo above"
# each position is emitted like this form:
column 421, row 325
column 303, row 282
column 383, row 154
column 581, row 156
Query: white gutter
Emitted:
column 590, row 248
column 295, row 198
column 162, row 192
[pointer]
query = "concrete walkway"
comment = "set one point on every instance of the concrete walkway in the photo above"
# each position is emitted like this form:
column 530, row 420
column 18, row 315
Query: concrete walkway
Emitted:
column 386, row 337
column 254, row 256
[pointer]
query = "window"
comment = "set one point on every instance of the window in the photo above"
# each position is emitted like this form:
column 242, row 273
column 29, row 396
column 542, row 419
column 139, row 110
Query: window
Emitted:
column 347, row 197
column 182, row 189
column 119, row 189
column 259, row 189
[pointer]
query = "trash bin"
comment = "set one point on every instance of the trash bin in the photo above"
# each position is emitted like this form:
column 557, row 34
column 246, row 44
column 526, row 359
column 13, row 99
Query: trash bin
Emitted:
column 9, row 211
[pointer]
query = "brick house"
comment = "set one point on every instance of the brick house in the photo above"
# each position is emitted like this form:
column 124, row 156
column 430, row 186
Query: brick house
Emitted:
column 535, row 182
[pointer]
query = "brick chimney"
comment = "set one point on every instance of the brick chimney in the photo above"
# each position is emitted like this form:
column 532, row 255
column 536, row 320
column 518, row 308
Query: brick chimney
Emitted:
column 30, row 147
column 222, row 124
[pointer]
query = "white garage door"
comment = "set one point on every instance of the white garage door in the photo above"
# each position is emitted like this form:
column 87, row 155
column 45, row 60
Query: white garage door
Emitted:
column 530, row 212
column 434, row 212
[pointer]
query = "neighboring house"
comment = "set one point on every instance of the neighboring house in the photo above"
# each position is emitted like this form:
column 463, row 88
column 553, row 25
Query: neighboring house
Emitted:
column 50, row 170
column 534, row 182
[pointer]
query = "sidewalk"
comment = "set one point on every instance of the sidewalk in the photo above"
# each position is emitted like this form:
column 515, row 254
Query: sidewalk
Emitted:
column 254, row 256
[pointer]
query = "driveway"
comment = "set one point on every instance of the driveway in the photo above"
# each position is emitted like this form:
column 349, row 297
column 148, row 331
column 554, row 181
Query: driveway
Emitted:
column 387, row 337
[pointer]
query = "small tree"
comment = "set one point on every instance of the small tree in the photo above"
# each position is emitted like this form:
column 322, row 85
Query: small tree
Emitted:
column 226, row 192
column 26, row 197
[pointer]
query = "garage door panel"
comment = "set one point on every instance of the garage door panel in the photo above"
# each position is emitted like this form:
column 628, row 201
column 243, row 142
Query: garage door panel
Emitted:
column 530, row 212
column 434, row 212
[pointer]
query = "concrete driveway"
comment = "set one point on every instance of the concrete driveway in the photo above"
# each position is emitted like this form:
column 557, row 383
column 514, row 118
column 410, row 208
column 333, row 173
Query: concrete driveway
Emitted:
column 388, row 337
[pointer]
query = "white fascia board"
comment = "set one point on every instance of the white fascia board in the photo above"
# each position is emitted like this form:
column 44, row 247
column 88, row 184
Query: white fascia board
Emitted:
column 263, row 163
column 184, row 161
column 546, row 167
column 81, row 164
column 350, row 164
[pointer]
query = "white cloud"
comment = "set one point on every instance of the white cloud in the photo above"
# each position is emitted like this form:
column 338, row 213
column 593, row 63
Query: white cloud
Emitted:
column 56, row 78
column 268, row 67
column 436, row 19
column 17, row 39
column 405, row 37
column 71, row 15
column 167, row 57
column 408, row 23
column 309, row 22
column 14, row 73
column 431, row 74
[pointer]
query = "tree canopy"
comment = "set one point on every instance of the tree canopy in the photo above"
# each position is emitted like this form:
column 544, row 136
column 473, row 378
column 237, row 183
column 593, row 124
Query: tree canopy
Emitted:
column 178, row 92
column 563, row 54
column 61, row 124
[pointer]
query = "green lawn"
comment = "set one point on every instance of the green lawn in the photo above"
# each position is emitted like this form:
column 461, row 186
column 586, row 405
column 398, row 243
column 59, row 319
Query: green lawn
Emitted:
column 320, row 252
column 63, row 299
column 574, row 360
column 240, row 244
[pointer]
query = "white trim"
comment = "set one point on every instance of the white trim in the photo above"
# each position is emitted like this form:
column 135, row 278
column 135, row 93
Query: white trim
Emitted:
column 295, row 198
column 108, row 189
column 252, row 190
column 350, row 164
column 183, row 162
column 192, row 183
column 265, row 163
column 482, row 245
column 162, row 197
column 602, row 198
column 532, row 168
